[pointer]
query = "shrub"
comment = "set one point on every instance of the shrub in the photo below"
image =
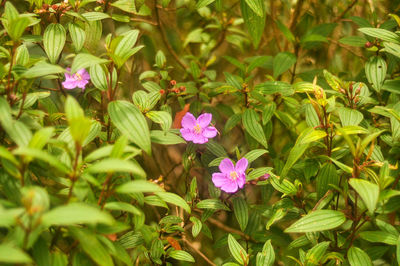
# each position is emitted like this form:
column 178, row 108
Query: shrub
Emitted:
column 212, row 132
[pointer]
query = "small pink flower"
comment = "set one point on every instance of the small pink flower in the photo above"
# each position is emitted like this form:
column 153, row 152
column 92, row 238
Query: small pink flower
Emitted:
column 79, row 79
column 197, row 130
column 231, row 177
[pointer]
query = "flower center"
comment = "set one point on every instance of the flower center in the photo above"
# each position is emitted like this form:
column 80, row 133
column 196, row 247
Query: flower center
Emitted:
column 234, row 175
column 78, row 76
column 197, row 129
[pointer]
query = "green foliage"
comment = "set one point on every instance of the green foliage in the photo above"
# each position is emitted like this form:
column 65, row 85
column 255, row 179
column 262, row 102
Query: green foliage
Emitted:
column 98, row 166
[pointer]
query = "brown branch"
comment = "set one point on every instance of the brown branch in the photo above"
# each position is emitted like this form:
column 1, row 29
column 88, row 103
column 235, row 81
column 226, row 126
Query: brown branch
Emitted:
column 145, row 21
column 296, row 14
column 165, row 39
column 230, row 229
column 338, row 18
column 347, row 48
column 198, row 251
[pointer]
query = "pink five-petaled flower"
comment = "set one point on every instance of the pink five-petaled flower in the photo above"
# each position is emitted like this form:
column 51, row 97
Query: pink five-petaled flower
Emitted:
column 197, row 130
column 79, row 79
column 231, row 177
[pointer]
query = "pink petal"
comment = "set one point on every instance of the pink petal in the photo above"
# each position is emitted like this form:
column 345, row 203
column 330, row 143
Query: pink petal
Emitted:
column 241, row 180
column 69, row 84
column 199, row 139
column 230, row 187
column 241, row 165
column 210, row 132
column 219, row 179
column 204, row 120
column 82, row 83
column 226, row 166
column 187, row 134
column 188, row 121
column 83, row 73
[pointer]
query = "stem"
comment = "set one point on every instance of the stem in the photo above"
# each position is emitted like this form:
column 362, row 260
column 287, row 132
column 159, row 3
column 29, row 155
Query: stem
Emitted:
column 165, row 38
column 198, row 252
column 9, row 87
column 22, row 104
column 105, row 184
column 74, row 174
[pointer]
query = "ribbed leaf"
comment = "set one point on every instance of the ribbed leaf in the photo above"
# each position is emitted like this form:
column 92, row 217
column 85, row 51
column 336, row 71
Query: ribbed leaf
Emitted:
column 131, row 122
column 181, row 255
column 375, row 69
column 319, row 220
column 368, row 192
column 53, row 41
column 137, row 186
column 197, row 225
column 381, row 34
column 42, row 69
column 241, row 212
column 253, row 127
column 256, row 6
column 254, row 23
column 267, row 256
column 84, row 60
column 254, row 154
column 282, row 62
column 358, row 257
column 327, row 176
column 174, row 199
column 203, row 3
column 78, row 36
column 213, row 204
column 237, row 251
column 350, row 117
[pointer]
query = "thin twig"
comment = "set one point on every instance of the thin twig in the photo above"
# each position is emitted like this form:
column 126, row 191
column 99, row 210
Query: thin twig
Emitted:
column 165, row 39
column 145, row 21
column 338, row 18
column 198, row 252
column 230, row 229
column 296, row 14
column 346, row 48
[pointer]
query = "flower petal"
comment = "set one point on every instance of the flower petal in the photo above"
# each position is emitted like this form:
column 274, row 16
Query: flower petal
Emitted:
column 84, row 74
column 241, row 180
column 199, row 139
column 82, row 83
column 210, row 132
column 188, row 121
column 241, row 165
column 69, row 84
column 187, row 134
column 226, row 166
column 230, row 187
column 204, row 120
column 219, row 179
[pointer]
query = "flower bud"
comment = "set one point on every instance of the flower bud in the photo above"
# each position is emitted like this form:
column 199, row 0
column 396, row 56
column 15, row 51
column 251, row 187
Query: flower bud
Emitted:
column 182, row 88
column 162, row 91
column 368, row 45
column 173, row 82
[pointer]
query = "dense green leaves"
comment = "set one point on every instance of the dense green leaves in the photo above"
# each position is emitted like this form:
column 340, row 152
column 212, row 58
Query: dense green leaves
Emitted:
column 254, row 21
column 312, row 221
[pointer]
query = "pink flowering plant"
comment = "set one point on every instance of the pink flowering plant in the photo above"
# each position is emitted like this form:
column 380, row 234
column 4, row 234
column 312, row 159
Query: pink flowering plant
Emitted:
column 201, row 132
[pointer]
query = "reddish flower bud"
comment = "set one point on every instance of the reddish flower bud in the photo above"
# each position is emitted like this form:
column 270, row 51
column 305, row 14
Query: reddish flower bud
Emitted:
column 45, row 6
column 173, row 82
column 182, row 88
column 162, row 91
column 368, row 45
column 342, row 91
column 55, row 7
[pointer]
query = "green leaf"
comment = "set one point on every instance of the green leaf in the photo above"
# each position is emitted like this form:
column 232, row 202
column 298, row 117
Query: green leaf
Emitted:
column 53, row 41
column 98, row 77
column 131, row 122
column 84, row 60
column 42, row 69
column 109, row 165
column 125, row 5
column 267, row 256
column 358, row 257
column 350, row 117
column 397, row 250
column 283, row 62
column 181, row 255
column 375, row 69
column 316, row 253
column 13, row 255
column 76, row 213
column 312, row 222
column 203, row 3
column 197, row 225
column 137, row 186
column 254, row 23
column 381, row 34
column 272, row 87
column 379, row 237
column 236, row 250
column 284, row 186
column 122, row 206
column 124, row 50
column 165, row 138
column 78, row 36
column 355, row 41
column 174, row 199
column 327, row 176
column 333, row 81
column 94, row 16
column 256, row 6
column 92, row 246
column 368, row 192
column 254, row 154
column 161, row 117
column 241, row 212
column 253, row 127
column 213, row 204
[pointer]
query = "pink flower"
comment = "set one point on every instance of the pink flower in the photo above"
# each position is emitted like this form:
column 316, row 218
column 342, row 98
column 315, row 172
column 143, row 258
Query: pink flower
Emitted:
column 197, row 130
column 231, row 177
column 79, row 79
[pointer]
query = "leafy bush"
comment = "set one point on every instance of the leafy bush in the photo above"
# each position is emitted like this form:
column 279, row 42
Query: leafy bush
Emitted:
column 212, row 132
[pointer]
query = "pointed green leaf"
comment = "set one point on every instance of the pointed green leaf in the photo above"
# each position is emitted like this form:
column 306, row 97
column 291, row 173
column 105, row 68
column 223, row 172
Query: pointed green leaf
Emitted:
column 236, row 250
column 368, row 192
column 53, row 41
column 319, row 220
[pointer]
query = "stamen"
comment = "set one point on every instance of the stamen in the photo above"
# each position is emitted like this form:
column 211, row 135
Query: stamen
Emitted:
column 197, row 129
column 78, row 76
column 234, row 175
